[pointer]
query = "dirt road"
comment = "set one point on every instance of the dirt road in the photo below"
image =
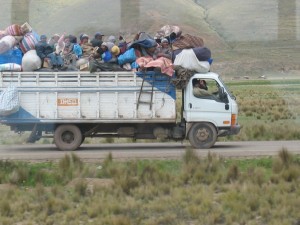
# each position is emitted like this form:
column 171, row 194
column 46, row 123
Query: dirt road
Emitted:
column 89, row 153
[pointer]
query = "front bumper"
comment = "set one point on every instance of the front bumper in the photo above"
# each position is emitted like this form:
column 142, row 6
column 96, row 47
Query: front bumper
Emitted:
column 233, row 130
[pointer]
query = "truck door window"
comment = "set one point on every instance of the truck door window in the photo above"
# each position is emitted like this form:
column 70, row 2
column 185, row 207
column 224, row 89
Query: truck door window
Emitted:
column 206, row 89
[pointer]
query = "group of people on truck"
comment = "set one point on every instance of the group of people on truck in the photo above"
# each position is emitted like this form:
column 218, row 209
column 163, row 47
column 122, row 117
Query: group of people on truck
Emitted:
column 61, row 52
column 167, row 50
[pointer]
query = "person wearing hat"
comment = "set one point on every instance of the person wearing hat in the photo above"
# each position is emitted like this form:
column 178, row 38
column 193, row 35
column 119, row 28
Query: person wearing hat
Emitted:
column 106, row 55
column 84, row 38
column 53, row 40
column 115, row 51
column 43, row 49
column 97, row 40
column 111, row 42
column 164, row 49
column 86, row 46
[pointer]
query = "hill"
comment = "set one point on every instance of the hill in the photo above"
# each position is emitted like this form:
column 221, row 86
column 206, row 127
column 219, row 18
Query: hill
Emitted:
column 246, row 37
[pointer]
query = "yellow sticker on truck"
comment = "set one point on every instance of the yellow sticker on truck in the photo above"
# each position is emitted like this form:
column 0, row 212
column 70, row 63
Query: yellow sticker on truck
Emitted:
column 67, row 102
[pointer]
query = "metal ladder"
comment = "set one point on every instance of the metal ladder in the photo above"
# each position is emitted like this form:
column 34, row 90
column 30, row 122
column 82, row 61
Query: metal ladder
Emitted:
column 142, row 91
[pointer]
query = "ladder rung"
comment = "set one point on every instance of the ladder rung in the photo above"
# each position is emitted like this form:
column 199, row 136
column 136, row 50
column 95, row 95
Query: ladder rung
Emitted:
column 143, row 102
column 146, row 92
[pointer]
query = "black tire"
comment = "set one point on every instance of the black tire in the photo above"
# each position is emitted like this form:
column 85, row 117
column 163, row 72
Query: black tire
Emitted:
column 202, row 135
column 67, row 137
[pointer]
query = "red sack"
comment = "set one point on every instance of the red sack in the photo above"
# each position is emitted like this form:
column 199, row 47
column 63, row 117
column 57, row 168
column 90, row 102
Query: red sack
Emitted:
column 14, row 30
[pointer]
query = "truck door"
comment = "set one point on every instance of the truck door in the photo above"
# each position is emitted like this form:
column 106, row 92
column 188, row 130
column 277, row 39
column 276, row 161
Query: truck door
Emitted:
column 203, row 103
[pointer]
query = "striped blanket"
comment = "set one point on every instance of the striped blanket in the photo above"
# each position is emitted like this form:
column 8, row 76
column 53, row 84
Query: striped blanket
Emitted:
column 187, row 41
column 28, row 42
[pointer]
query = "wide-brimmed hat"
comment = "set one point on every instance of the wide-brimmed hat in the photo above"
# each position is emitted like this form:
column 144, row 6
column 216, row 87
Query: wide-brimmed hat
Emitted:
column 115, row 50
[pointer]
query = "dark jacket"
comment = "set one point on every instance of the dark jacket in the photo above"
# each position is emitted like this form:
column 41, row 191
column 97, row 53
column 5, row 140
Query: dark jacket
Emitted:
column 43, row 49
column 96, row 43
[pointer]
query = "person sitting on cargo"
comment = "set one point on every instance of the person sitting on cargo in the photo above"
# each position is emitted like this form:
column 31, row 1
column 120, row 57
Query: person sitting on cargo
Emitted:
column 86, row 46
column 111, row 42
column 97, row 40
column 68, row 55
column 56, row 59
column 96, row 43
column 115, row 52
column 53, row 40
column 106, row 56
column 122, row 44
column 163, row 50
column 43, row 50
column 77, row 50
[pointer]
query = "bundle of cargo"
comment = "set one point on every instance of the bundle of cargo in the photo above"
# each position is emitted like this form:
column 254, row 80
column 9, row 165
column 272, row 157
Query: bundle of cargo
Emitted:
column 190, row 56
column 15, row 41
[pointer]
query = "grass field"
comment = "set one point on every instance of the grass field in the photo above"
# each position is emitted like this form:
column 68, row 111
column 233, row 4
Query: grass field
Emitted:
column 194, row 190
column 269, row 109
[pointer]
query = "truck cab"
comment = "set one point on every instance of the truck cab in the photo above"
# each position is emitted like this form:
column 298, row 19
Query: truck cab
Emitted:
column 209, row 112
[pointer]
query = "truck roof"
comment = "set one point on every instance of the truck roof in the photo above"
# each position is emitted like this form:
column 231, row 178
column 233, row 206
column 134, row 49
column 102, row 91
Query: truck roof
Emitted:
column 206, row 75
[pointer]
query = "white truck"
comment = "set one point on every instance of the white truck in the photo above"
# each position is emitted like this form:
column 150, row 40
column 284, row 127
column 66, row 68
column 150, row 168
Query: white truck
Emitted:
column 70, row 106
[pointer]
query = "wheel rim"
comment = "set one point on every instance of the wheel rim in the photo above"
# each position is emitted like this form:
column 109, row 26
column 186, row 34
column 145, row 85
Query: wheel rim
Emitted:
column 68, row 137
column 202, row 134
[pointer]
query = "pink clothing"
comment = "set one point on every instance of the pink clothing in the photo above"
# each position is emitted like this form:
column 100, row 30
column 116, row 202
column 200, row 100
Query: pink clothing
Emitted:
column 163, row 63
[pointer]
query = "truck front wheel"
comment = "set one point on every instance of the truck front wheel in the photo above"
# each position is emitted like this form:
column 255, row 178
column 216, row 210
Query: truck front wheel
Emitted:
column 202, row 135
column 67, row 137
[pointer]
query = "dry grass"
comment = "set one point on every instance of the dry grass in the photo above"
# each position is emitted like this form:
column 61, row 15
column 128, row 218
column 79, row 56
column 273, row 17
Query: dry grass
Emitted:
column 207, row 190
column 268, row 110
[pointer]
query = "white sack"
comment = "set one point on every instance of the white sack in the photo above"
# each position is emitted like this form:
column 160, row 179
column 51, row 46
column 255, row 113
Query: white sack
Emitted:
column 9, row 101
column 31, row 61
column 10, row 67
column 7, row 43
column 187, row 59
column 81, row 62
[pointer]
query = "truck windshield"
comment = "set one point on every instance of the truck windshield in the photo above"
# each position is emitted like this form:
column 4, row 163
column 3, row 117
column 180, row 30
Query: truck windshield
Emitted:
column 227, row 89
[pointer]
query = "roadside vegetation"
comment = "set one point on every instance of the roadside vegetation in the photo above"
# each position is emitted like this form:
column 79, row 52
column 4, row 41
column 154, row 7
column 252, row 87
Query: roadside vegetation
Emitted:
column 268, row 109
column 209, row 190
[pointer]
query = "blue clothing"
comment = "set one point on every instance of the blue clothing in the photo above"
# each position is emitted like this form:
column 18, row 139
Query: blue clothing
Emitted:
column 77, row 50
column 106, row 56
column 56, row 60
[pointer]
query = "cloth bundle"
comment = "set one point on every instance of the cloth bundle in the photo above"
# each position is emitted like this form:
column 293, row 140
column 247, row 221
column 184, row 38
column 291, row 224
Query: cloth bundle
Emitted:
column 188, row 59
column 31, row 61
column 7, row 43
column 9, row 101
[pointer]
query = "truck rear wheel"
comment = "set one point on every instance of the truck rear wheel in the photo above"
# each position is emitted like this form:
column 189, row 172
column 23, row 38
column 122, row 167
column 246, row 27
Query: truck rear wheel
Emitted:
column 202, row 135
column 67, row 137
